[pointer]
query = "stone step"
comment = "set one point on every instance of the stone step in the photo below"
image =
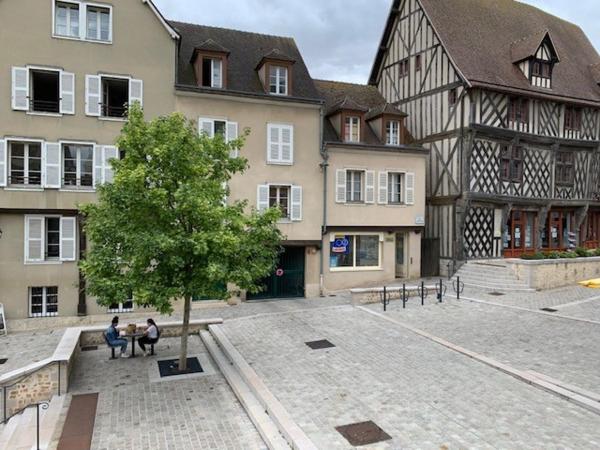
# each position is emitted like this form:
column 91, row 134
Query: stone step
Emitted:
column 22, row 437
column 508, row 282
column 50, row 422
column 502, row 288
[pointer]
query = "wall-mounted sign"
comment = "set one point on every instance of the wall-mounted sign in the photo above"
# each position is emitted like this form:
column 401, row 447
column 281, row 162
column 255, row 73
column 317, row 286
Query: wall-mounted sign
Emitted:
column 341, row 244
column 279, row 272
column 419, row 220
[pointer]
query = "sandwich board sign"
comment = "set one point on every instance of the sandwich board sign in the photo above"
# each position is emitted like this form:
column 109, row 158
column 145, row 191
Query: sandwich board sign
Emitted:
column 2, row 320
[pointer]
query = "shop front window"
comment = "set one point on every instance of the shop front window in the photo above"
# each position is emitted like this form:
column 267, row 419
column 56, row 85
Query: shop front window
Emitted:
column 354, row 251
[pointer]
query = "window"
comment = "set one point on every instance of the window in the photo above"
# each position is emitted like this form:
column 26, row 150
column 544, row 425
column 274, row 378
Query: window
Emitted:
column 109, row 96
column 115, row 97
column 452, row 97
column 395, row 188
column 392, row 134
column 50, row 238
column 122, row 307
column 45, row 91
column 25, row 164
column 355, row 252
column 403, row 67
column 354, row 186
column 541, row 69
column 280, row 144
column 511, row 164
column 417, row 63
column 78, row 165
column 43, row 301
column 98, row 23
column 518, row 110
column 279, row 197
column 572, row 118
column 352, row 129
column 66, row 19
column 565, row 168
column 212, row 72
column 278, row 80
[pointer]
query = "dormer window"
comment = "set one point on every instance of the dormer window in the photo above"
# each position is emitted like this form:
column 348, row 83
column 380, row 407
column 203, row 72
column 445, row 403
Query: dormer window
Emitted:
column 352, row 129
column 541, row 69
column 278, row 80
column 536, row 56
column 212, row 72
column 392, row 132
column 210, row 65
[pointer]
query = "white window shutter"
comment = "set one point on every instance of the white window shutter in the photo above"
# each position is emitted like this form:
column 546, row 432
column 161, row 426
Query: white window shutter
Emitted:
column 383, row 188
column 231, row 135
column 262, row 197
column 68, row 244
column 296, row 204
column 34, row 238
column 110, row 152
column 3, row 164
column 67, row 93
column 273, row 147
column 369, row 186
column 136, row 92
column 410, row 188
column 217, row 71
column 287, row 144
column 51, row 165
column 98, row 165
column 340, row 186
column 206, row 126
column 93, row 94
column 20, row 88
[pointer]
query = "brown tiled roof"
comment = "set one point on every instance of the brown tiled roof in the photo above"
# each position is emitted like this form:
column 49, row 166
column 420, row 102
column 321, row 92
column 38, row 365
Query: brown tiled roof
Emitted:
column 527, row 46
column 246, row 51
column 278, row 54
column 478, row 35
column 386, row 108
column 345, row 104
column 595, row 71
column 211, row 46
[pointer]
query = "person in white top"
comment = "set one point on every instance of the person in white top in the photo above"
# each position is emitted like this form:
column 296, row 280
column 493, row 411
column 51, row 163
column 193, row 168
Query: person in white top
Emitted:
column 150, row 336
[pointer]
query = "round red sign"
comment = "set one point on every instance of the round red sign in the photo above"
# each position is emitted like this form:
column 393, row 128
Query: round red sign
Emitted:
column 279, row 272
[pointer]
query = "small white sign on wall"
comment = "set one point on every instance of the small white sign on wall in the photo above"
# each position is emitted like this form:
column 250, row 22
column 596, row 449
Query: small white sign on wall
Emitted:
column 420, row 220
column 2, row 320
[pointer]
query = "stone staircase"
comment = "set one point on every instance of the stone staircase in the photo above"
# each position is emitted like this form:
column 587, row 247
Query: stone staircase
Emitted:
column 491, row 275
column 21, row 430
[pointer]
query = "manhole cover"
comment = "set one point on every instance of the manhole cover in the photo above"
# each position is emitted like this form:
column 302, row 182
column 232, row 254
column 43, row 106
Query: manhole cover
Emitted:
column 548, row 309
column 316, row 345
column 3, row 360
column 170, row 367
column 363, row 433
column 89, row 348
column 497, row 294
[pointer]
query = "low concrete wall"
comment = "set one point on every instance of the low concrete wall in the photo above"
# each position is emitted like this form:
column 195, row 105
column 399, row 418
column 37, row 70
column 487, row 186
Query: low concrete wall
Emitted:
column 553, row 273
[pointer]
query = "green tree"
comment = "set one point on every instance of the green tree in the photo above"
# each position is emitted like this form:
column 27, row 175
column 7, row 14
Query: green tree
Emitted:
column 162, row 230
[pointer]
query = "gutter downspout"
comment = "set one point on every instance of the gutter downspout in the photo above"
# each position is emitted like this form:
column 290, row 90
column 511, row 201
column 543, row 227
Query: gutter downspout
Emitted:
column 324, row 165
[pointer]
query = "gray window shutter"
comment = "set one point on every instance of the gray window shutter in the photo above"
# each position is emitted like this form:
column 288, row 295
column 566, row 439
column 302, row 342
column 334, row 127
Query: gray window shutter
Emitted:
column 3, row 164
column 93, row 95
column 287, row 144
column 206, row 126
column 98, row 165
column 136, row 92
column 369, row 186
column 410, row 188
column 383, row 188
column 110, row 152
column 51, row 165
column 340, row 186
column 34, row 238
column 20, row 88
column 296, row 204
column 232, row 135
column 68, row 243
column 67, row 93
column 262, row 197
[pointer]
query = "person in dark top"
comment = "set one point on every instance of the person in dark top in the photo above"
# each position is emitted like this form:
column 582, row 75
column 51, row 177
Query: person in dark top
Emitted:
column 113, row 338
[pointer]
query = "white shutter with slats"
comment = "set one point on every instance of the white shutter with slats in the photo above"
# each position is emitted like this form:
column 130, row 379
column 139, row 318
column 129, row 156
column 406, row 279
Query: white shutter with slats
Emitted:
column 369, row 186
column 136, row 92
column 410, row 188
column 68, row 244
column 217, row 66
column 110, row 152
column 287, row 144
column 296, row 204
column 340, row 186
column 383, row 188
column 51, row 165
column 98, row 165
column 206, row 126
column 93, row 94
column 262, row 197
column 67, row 93
column 34, row 238
column 232, row 135
column 20, row 88
column 3, row 164
column 273, row 141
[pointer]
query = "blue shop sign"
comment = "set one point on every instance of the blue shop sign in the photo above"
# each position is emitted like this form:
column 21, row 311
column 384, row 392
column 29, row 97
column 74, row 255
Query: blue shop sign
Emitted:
column 341, row 245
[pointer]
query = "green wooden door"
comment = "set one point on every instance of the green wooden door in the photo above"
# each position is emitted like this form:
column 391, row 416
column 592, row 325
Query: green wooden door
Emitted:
column 287, row 281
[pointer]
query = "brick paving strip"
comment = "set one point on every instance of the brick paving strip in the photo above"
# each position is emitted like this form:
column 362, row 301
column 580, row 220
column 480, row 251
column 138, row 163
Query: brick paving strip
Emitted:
column 578, row 399
column 79, row 425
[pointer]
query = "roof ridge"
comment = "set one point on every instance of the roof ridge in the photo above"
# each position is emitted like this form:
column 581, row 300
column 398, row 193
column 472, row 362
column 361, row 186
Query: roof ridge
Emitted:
column 343, row 82
column 170, row 21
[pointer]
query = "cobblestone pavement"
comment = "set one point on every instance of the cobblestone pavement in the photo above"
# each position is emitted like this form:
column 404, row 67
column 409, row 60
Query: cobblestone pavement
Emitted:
column 135, row 411
column 422, row 394
column 21, row 349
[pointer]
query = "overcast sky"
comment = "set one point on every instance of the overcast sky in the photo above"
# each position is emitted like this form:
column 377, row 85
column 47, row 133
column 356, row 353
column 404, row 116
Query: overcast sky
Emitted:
column 337, row 38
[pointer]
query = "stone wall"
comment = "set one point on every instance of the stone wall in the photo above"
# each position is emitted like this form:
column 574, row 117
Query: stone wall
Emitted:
column 553, row 273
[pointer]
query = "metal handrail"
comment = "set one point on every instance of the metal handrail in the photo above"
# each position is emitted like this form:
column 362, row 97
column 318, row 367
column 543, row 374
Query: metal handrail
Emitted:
column 7, row 387
column 38, row 405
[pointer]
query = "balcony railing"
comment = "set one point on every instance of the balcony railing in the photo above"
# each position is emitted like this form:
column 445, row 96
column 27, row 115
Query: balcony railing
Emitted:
column 113, row 111
column 86, row 181
column 45, row 106
column 19, row 180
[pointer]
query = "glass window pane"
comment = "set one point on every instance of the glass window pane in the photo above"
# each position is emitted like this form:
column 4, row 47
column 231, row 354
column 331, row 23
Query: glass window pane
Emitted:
column 367, row 251
column 92, row 24
column 342, row 252
column 74, row 21
column 105, row 26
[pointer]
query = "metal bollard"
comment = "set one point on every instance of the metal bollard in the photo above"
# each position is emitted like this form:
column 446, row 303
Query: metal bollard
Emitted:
column 457, row 288
column 441, row 293
column 384, row 299
column 403, row 295
column 422, row 293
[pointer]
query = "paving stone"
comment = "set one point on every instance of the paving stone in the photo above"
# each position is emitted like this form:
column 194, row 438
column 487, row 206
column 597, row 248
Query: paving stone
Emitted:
column 22, row 349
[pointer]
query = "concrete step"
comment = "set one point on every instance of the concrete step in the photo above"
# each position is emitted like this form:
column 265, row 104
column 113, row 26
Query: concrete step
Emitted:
column 23, row 436
column 490, row 279
column 491, row 275
column 8, row 431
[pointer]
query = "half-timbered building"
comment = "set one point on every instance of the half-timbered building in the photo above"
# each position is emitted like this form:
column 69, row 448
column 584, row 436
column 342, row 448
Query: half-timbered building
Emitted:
column 506, row 99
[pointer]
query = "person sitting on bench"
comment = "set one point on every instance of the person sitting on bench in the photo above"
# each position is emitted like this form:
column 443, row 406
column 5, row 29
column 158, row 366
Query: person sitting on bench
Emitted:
column 113, row 339
column 150, row 336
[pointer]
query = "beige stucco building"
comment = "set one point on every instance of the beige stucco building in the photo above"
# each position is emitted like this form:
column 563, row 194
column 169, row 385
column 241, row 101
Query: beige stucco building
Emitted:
column 67, row 82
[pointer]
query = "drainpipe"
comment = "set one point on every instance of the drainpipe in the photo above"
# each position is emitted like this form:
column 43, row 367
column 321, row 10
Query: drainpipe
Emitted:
column 324, row 164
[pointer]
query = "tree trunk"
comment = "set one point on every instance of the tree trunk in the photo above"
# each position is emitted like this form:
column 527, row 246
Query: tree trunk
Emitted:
column 184, row 332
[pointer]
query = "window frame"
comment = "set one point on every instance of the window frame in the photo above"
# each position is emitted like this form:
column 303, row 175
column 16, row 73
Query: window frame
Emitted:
column 351, row 182
column 574, row 114
column 83, row 7
column 31, row 98
column 541, row 64
column 44, row 238
column 349, row 132
column 44, row 305
column 120, row 307
column 562, row 166
column 404, row 67
column 389, row 132
column 26, row 186
column 418, row 62
column 212, row 59
column 452, row 98
column 77, row 187
column 103, row 106
column 354, row 267
column 288, row 212
column 518, row 110
column 280, row 160
column 278, row 78
column 402, row 183
column 509, row 155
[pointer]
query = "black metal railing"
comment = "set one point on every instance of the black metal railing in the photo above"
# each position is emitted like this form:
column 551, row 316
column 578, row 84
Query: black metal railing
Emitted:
column 73, row 181
column 19, row 180
column 7, row 388
column 113, row 111
column 45, row 106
